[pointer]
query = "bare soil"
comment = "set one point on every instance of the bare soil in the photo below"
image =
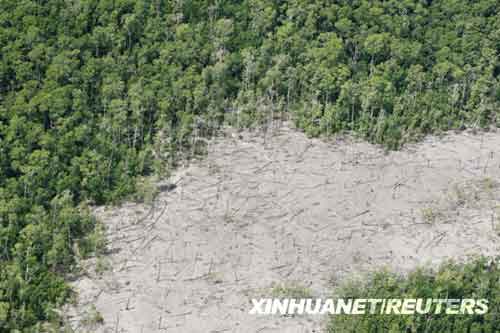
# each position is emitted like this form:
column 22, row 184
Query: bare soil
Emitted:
column 281, row 209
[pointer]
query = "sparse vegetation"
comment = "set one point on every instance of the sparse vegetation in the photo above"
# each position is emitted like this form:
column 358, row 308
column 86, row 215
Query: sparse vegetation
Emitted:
column 290, row 290
column 101, row 265
column 496, row 220
column 430, row 214
column 215, row 278
column 460, row 196
column 92, row 318
column 472, row 194
column 488, row 184
column 146, row 190
column 497, row 228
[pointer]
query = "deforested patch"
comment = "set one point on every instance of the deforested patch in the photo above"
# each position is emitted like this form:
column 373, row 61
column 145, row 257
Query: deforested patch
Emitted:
column 283, row 214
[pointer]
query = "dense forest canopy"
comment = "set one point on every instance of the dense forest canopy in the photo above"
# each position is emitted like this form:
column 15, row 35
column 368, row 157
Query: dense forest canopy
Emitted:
column 478, row 278
column 96, row 92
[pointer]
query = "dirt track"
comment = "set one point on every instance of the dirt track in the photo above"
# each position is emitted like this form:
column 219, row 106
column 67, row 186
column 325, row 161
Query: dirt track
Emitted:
column 288, row 209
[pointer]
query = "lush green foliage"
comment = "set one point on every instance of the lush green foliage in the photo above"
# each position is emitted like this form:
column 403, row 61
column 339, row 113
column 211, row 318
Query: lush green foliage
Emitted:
column 478, row 279
column 96, row 92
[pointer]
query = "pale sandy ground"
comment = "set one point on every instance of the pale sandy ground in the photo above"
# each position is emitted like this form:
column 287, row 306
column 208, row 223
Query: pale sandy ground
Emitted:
column 287, row 209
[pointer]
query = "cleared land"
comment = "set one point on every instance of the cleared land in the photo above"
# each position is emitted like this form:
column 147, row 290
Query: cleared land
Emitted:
column 278, row 213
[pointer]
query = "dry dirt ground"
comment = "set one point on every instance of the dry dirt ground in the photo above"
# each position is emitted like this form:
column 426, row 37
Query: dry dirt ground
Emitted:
column 262, row 211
